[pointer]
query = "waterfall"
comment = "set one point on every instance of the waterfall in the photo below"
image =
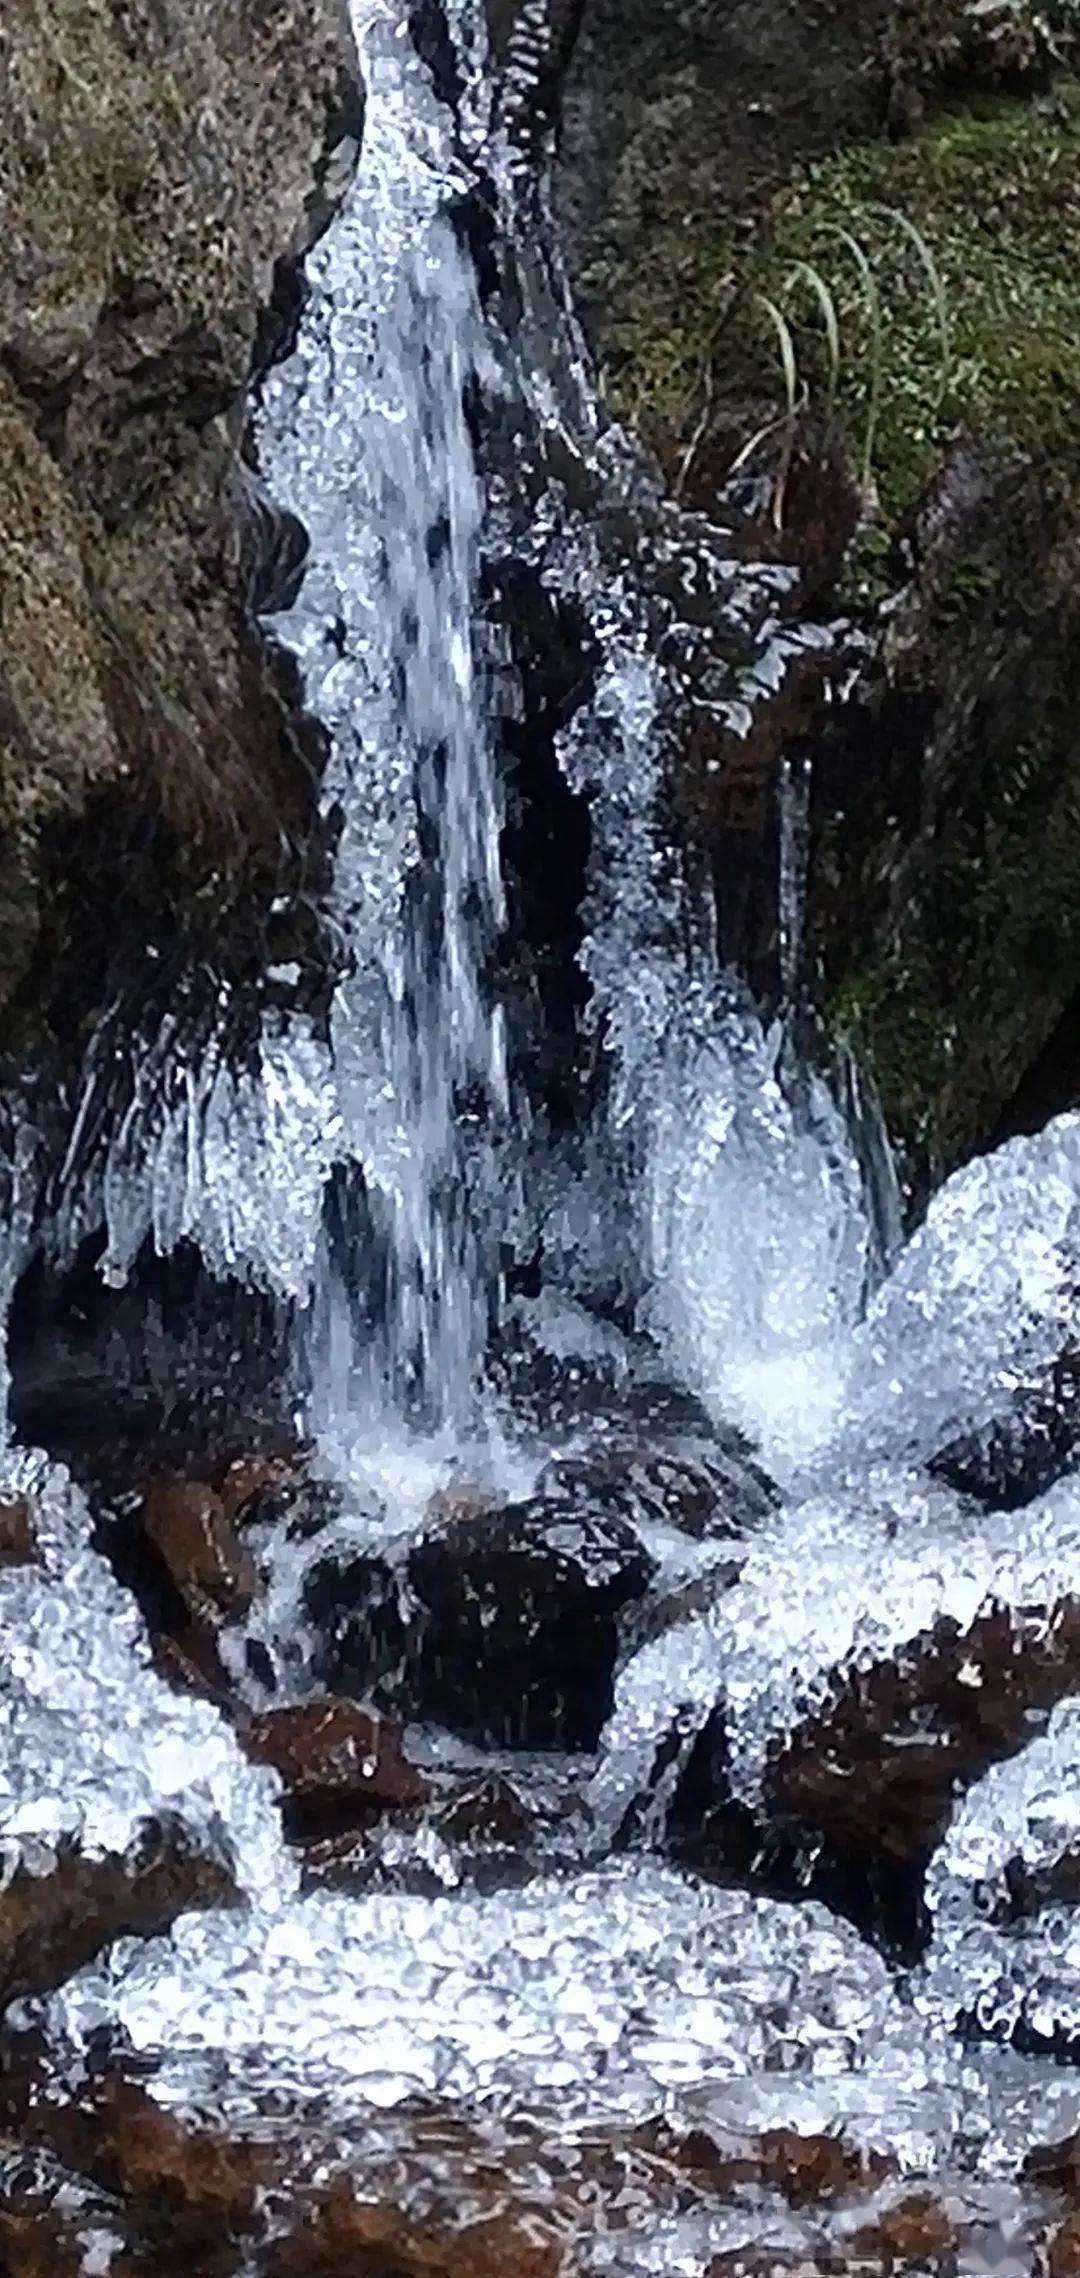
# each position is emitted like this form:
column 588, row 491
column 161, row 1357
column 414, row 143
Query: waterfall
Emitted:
column 366, row 433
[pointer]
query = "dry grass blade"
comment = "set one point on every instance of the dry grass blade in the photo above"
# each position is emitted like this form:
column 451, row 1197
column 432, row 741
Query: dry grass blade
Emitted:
column 790, row 367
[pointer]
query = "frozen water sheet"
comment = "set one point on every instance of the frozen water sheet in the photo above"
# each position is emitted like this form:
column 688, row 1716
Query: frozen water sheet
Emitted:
column 619, row 1993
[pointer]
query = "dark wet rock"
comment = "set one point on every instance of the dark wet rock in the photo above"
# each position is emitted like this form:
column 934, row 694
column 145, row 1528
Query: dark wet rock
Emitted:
column 1020, row 1453
column 249, row 1484
column 354, row 1606
column 172, row 2198
column 713, row 1831
column 51, row 1924
column 189, row 1661
column 475, row 1831
column 340, row 1764
column 292, row 1503
column 344, row 2239
column 699, row 1488
column 517, row 1634
column 18, row 1542
column 189, row 1528
column 1055, row 2167
column 804, row 2169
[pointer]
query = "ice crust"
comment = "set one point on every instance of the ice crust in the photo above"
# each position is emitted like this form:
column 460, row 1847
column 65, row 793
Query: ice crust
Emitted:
column 619, row 1992
column 1004, row 1953
column 93, row 1745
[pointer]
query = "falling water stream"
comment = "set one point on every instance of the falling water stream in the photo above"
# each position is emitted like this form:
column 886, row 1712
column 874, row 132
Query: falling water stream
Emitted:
column 378, row 1173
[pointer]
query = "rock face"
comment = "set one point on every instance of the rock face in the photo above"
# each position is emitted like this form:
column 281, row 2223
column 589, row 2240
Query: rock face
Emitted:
column 161, row 166
column 339, row 1764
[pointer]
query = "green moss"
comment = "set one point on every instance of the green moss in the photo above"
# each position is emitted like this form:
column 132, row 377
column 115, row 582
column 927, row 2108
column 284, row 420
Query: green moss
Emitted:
column 994, row 192
column 888, row 1017
column 946, row 1021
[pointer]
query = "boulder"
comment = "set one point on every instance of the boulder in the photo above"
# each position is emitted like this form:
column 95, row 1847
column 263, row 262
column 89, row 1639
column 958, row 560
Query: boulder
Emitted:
column 162, row 168
column 53, row 1922
column 517, row 1632
column 1024, row 1449
column 698, row 1486
column 172, row 2197
column 353, row 1605
column 874, row 1771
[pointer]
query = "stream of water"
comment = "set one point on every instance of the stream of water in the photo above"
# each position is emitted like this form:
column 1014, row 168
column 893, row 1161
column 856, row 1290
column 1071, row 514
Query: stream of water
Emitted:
column 378, row 1175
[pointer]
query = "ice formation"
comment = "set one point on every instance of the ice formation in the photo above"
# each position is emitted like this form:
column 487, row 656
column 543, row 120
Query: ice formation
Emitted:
column 94, row 1746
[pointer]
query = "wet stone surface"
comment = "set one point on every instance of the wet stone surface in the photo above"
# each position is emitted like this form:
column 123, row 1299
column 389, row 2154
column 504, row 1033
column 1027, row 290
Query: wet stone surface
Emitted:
column 517, row 1635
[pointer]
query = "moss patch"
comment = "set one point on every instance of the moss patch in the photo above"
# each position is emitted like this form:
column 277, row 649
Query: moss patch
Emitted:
column 994, row 192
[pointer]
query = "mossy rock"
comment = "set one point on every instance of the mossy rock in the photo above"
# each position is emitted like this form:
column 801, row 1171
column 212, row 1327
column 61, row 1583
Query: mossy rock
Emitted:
column 970, row 321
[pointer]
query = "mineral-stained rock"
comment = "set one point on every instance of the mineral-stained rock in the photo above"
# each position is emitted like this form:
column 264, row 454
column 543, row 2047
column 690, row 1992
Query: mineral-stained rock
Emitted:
column 18, row 1545
column 916, row 2233
column 189, row 1527
column 341, row 1765
column 52, row 1923
column 517, row 1638
column 346, row 2240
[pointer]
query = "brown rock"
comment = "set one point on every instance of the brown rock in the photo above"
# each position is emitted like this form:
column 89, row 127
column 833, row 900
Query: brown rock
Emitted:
column 338, row 1762
column 188, row 1526
column 1062, row 2249
column 346, row 2240
column 18, row 1544
column 52, row 1924
column 803, row 2169
column 190, row 1662
column 147, row 2157
column 918, row 2232
column 38, row 2245
column 875, row 1770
